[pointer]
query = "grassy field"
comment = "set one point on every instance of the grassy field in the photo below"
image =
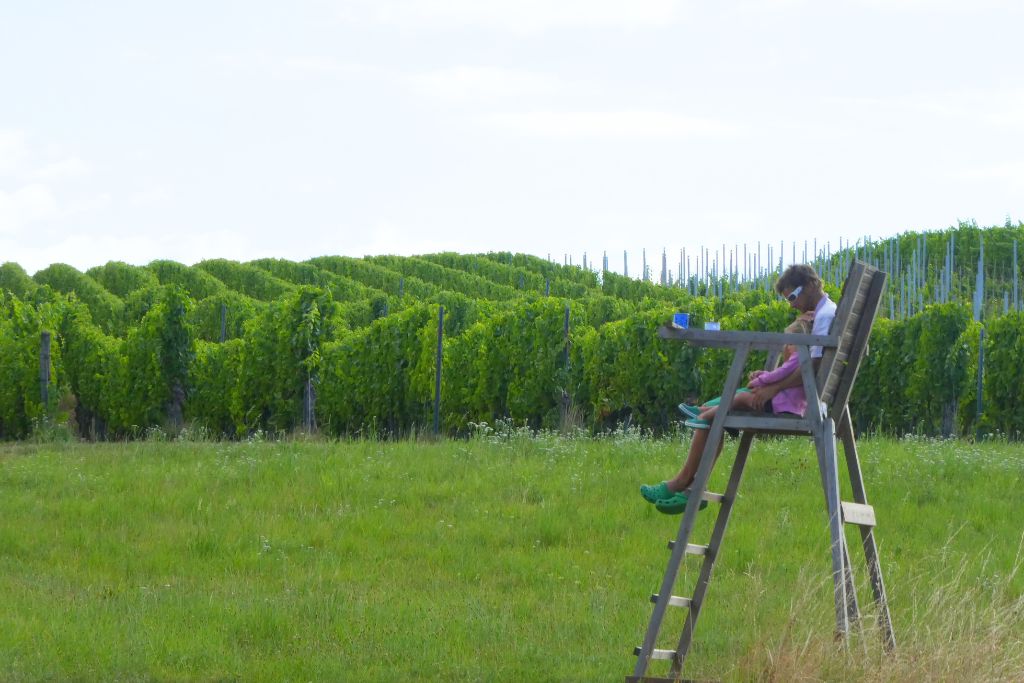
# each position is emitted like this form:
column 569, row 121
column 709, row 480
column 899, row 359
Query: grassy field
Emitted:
column 501, row 558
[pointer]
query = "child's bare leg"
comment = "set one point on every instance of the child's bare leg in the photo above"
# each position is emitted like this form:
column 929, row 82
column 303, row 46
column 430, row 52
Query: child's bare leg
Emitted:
column 744, row 400
column 686, row 475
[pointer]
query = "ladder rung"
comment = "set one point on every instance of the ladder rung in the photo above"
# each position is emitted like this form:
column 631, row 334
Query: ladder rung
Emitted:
column 656, row 654
column 713, row 497
column 674, row 601
column 858, row 513
column 691, row 548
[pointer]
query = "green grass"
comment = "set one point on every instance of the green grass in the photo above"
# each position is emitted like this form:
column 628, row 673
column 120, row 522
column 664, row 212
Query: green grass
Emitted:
column 494, row 559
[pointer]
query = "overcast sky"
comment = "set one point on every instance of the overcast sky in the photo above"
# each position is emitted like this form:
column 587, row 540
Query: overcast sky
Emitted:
column 187, row 130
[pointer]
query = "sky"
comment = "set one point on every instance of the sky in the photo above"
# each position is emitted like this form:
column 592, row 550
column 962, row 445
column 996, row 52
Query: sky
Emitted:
column 134, row 131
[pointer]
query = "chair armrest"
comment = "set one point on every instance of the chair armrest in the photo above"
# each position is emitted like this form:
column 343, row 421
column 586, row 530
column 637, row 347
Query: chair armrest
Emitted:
column 735, row 338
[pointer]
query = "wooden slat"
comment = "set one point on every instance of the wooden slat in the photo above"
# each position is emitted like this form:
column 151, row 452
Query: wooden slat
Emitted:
column 674, row 600
column 858, row 513
column 757, row 340
column 860, row 344
column 763, row 421
column 691, row 548
column 656, row 654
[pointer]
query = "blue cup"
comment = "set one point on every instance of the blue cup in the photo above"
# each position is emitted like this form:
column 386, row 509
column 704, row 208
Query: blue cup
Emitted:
column 681, row 320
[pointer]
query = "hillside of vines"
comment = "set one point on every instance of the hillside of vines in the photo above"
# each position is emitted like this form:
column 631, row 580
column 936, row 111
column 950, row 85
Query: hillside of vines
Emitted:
column 349, row 346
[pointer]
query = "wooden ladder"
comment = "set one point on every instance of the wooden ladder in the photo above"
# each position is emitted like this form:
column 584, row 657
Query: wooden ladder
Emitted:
column 857, row 512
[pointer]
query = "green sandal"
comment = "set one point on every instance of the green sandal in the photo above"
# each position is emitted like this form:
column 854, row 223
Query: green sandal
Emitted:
column 652, row 493
column 676, row 504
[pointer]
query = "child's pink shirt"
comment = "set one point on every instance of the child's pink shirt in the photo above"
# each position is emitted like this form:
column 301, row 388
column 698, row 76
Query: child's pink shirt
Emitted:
column 791, row 400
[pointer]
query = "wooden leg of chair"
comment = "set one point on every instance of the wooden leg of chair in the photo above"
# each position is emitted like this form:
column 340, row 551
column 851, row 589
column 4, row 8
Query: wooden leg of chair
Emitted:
column 826, row 447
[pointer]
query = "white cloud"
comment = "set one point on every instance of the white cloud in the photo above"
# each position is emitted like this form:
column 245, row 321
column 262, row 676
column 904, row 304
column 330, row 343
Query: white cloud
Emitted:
column 13, row 150
column 151, row 196
column 610, row 124
column 26, row 205
column 389, row 237
column 71, row 167
column 323, row 66
column 931, row 6
column 512, row 15
column 1010, row 173
column 476, row 82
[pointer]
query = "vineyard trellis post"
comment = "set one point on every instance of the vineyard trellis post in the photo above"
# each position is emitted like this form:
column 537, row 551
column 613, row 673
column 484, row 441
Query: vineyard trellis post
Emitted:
column 566, row 335
column 308, row 407
column 437, row 371
column 981, row 377
column 44, row 369
column 1016, row 301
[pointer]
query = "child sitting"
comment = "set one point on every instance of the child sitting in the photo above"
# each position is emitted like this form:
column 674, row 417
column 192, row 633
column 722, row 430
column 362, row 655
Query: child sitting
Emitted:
column 791, row 400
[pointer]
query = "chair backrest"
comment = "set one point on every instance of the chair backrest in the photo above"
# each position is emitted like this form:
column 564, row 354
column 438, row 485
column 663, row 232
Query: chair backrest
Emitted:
column 855, row 314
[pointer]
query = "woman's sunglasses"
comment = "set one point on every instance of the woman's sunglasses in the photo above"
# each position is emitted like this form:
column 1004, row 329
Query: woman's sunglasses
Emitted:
column 795, row 293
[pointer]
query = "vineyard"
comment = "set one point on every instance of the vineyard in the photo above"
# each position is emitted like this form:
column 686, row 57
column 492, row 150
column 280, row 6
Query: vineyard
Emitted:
column 389, row 346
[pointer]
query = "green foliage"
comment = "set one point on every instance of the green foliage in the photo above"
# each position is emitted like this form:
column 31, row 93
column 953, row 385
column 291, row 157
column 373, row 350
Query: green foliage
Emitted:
column 139, row 302
column 513, row 364
column 214, row 377
column 877, row 403
column 365, row 386
column 554, row 272
column 446, row 279
column 622, row 287
column 15, row 280
column 196, row 282
column 967, row 348
column 107, row 310
column 1004, row 374
column 461, row 311
column 343, row 289
column 157, row 355
column 93, row 364
column 21, row 328
column 600, row 309
column 376, row 276
column 499, row 273
column 247, row 279
column 121, row 279
column 938, row 375
column 505, row 353
column 629, row 371
column 283, row 350
column 237, row 310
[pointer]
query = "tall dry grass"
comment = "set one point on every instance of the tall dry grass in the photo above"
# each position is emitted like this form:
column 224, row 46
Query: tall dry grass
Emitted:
column 950, row 629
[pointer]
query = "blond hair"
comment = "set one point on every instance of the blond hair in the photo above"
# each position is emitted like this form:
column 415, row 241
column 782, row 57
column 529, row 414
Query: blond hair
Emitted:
column 799, row 326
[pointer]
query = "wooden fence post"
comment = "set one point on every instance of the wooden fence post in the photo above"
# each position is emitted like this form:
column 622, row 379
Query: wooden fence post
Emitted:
column 437, row 372
column 44, row 369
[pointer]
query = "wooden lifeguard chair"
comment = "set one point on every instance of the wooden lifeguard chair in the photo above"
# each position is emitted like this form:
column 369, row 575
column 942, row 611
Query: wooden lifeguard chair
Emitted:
column 827, row 417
